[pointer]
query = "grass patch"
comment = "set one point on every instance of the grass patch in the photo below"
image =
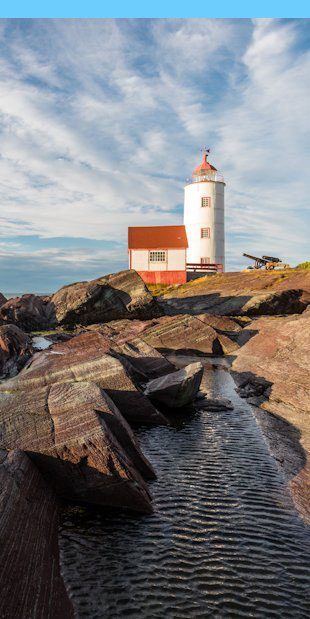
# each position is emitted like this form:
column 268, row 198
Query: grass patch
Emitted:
column 303, row 265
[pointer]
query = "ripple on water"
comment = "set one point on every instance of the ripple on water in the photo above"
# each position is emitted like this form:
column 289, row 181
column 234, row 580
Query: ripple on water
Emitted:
column 224, row 539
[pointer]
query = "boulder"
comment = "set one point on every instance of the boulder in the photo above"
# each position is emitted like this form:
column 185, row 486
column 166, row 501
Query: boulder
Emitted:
column 115, row 296
column 15, row 350
column 3, row 300
column 183, row 333
column 86, row 357
column 76, row 438
column 31, row 583
column 178, row 388
column 29, row 312
column 273, row 369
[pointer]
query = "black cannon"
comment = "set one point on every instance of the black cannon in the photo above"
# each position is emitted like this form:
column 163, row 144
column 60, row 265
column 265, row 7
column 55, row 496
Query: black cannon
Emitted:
column 269, row 262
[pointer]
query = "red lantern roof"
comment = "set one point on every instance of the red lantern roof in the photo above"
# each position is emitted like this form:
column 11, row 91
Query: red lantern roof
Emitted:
column 205, row 166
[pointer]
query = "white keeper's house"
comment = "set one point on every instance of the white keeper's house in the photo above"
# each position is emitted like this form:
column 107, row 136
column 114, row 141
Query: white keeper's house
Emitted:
column 175, row 254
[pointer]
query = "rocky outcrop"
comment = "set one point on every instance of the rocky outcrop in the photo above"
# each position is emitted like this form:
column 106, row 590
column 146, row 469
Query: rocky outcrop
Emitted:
column 183, row 333
column 272, row 369
column 29, row 312
column 241, row 304
column 178, row 388
column 15, row 350
column 142, row 361
column 3, row 300
column 79, row 442
column 115, row 296
column 31, row 583
column 87, row 357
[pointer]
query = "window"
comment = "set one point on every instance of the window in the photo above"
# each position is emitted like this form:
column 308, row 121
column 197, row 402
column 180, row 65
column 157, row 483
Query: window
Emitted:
column 205, row 233
column 205, row 260
column 157, row 256
column 205, row 201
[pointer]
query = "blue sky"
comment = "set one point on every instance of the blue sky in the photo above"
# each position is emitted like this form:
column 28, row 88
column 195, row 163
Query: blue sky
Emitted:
column 102, row 122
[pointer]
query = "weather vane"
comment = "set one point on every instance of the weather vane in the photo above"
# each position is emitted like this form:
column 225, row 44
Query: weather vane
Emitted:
column 205, row 150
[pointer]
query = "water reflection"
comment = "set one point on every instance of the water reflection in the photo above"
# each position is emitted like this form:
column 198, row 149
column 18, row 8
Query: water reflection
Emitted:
column 224, row 539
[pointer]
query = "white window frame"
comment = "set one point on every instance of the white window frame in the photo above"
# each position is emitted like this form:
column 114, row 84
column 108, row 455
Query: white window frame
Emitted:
column 205, row 201
column 205, row 260
column 205, row 233
column 158, row 255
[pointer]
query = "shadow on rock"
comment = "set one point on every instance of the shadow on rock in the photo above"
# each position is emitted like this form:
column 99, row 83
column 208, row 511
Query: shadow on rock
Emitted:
column 283, row 437
column 255, row 304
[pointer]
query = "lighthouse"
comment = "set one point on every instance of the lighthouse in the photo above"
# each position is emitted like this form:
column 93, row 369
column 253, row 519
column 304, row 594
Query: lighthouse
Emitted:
column 204, row 215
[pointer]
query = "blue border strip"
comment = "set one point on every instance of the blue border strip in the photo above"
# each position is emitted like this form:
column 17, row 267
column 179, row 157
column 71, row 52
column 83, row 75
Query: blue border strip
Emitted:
column 160, row 8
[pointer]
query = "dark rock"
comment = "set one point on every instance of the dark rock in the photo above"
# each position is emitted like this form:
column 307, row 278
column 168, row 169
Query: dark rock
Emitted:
column 3, row 300
column 69, row 431
column 178, row 388
column 29, row 312
column 15, row 350
column 31, row 583
column 215, row 404
column 115, row 296
column 85, row 358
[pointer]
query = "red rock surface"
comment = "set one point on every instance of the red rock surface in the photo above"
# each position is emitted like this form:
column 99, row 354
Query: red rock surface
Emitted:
column 69, row 431
column 240, row 293
column 15, row 349
column 183, row 333
column 31, row 583
column 221, row 324
column 85, row 358
column 243, row 282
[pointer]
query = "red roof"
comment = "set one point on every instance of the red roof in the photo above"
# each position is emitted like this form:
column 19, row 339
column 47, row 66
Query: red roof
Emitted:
column 157, row 237
column 204, row 166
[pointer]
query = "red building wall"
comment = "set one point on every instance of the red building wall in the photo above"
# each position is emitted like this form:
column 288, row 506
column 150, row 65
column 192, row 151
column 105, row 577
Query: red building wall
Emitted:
column 163, row 277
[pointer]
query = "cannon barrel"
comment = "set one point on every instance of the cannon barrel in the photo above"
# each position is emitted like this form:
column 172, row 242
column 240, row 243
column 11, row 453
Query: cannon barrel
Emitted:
column 263, row 260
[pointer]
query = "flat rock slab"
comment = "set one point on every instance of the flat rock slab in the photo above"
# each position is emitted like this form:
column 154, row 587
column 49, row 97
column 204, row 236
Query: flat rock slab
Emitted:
column 80, row 443
column 183, row 333
column 85, row 358
column 115, row 296
column 31, row 583
column 221, row 324
column 177, row 389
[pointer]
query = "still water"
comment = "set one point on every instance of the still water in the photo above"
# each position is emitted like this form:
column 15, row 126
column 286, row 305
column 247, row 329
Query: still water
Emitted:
column 224, row 540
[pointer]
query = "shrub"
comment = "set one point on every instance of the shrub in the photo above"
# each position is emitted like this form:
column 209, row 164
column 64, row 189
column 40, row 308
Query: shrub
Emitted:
column 303, row 265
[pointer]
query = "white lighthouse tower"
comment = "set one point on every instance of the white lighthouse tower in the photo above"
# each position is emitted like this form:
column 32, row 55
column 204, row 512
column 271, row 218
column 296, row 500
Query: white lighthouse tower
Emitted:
column 204, row 215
